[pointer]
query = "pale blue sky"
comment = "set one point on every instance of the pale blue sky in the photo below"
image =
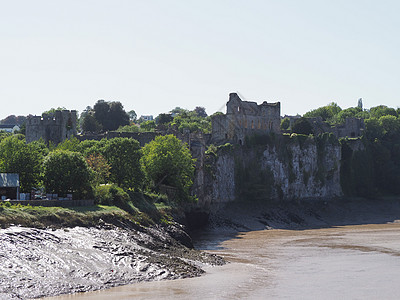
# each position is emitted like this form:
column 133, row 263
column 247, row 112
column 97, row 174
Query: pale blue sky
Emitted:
column 156, row 55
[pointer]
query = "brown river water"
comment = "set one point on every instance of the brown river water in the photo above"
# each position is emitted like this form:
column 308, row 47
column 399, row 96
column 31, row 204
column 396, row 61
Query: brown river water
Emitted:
column 345, row 262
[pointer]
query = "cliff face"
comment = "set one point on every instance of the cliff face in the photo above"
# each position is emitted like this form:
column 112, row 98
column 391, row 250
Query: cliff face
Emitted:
column 286, row 168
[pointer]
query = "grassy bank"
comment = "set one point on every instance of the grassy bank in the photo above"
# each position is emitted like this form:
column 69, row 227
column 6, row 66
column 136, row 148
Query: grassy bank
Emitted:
column 139, row 211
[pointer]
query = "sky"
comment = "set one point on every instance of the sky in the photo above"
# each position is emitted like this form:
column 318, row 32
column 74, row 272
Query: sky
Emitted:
column 155, row 55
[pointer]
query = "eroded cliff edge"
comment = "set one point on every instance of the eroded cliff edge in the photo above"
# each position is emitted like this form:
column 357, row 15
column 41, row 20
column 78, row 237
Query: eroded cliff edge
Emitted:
column 275, row 168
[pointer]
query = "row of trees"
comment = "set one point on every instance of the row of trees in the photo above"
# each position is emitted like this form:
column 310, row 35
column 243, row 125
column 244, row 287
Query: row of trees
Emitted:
column 80, row 167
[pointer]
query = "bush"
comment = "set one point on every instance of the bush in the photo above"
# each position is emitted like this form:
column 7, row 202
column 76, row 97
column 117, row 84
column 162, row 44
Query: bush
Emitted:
column 110, row 194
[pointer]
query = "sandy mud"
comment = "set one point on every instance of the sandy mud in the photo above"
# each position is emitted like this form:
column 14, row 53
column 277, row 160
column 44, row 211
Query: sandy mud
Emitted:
column 36, row 263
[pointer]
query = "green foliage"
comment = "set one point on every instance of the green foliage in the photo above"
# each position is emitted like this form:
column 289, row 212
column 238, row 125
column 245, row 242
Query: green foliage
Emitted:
column 253, row 182
column 110, row 115
column 53, row 110
column 25, row 159
column 191, row 121
column 352, row 112
column 123, row 154
column 166, row 160
column 327, row 113
column 128, row 128
column 164, row 119
column 67, row 172
column 71, row 144
column 132, row 115
column 148, row 125
column 285, row 124
column 111, row 194
column 356, row 172
column 302, row 126
column 100, row 167
column 382, row 110
column 90, row 124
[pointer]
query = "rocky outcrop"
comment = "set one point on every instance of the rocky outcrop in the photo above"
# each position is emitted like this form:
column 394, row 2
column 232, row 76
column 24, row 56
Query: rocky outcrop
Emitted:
column 286, row 168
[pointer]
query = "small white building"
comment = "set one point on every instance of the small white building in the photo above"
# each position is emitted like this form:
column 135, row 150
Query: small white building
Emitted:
column 147, row 118
column 9, row 128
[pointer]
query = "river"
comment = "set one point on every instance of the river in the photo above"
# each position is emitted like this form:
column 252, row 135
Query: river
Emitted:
column 343, row 262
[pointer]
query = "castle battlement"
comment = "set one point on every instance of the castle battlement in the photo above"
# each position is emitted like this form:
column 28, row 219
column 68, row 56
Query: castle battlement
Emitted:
column 55, row 127
column 244, row 118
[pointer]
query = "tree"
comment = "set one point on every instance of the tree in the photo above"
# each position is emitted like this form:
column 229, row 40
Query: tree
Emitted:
column 110, row 115
column 132, row 115
column 164, row 119
column 201, row 111
column 285, row 124
column 67, row 172
column 100, row 167
column 327, row 113
column 166, row 160
column 51, row 111
column 124, row 155
column 360, row 104
column 189, row 120
column 25, row 159
column 71, row 144
column 148, row 125
column 90, row 124
column 382, row 110
column 302, row 126
column 352, row 112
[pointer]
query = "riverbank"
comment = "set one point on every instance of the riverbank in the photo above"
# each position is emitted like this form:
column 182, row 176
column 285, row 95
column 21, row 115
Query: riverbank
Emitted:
column 46, row 262
column 310, row 254
column 117, row 250
column 305, row 214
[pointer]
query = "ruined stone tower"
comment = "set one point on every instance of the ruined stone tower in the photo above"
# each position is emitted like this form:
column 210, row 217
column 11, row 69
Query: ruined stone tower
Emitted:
column 244, row 118
column 55, row 127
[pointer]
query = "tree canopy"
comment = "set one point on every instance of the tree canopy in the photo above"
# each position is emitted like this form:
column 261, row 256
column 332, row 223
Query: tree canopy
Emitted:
column 25, row 159
column 110, row 115
column 66, row 172
column 166, row 160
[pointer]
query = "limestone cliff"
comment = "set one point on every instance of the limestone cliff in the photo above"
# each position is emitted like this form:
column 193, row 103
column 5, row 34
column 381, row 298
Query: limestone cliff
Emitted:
column 278, row 168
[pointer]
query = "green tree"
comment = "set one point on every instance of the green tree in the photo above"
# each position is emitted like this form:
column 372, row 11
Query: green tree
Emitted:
column 148, row 125
column 132, row 115
column 390, row 124
column 200, row 111
column 382, row 110
column 110, row 115
column 327, row 113
column 166, row 160
column 67, row 172
column 285, row 124
column 25, row 159
column 71, row 144
column 124, row 155
column 351, row 112
column 128, row 128
column 51, row 111
column 302, row 126
column 90, row 124
column 164, row 119
column 100, row 167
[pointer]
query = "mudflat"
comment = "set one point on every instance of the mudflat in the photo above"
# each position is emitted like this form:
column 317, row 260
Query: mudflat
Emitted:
column 315, row 250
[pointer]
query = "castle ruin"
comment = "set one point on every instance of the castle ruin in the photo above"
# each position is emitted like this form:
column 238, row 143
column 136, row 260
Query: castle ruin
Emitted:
column 55, row 127
column 244, row 118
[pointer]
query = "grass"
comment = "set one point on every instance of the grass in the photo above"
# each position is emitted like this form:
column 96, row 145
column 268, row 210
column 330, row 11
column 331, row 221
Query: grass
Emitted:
column 41, row 217
column 141, row 209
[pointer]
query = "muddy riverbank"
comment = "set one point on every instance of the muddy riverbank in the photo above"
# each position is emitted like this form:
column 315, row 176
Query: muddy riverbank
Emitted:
column 48, row 262
column 38, row 262
column 314, row 257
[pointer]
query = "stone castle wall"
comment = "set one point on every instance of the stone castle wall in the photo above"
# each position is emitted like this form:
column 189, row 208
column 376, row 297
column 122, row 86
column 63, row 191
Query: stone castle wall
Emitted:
column 244, row 118
column 56, row 127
